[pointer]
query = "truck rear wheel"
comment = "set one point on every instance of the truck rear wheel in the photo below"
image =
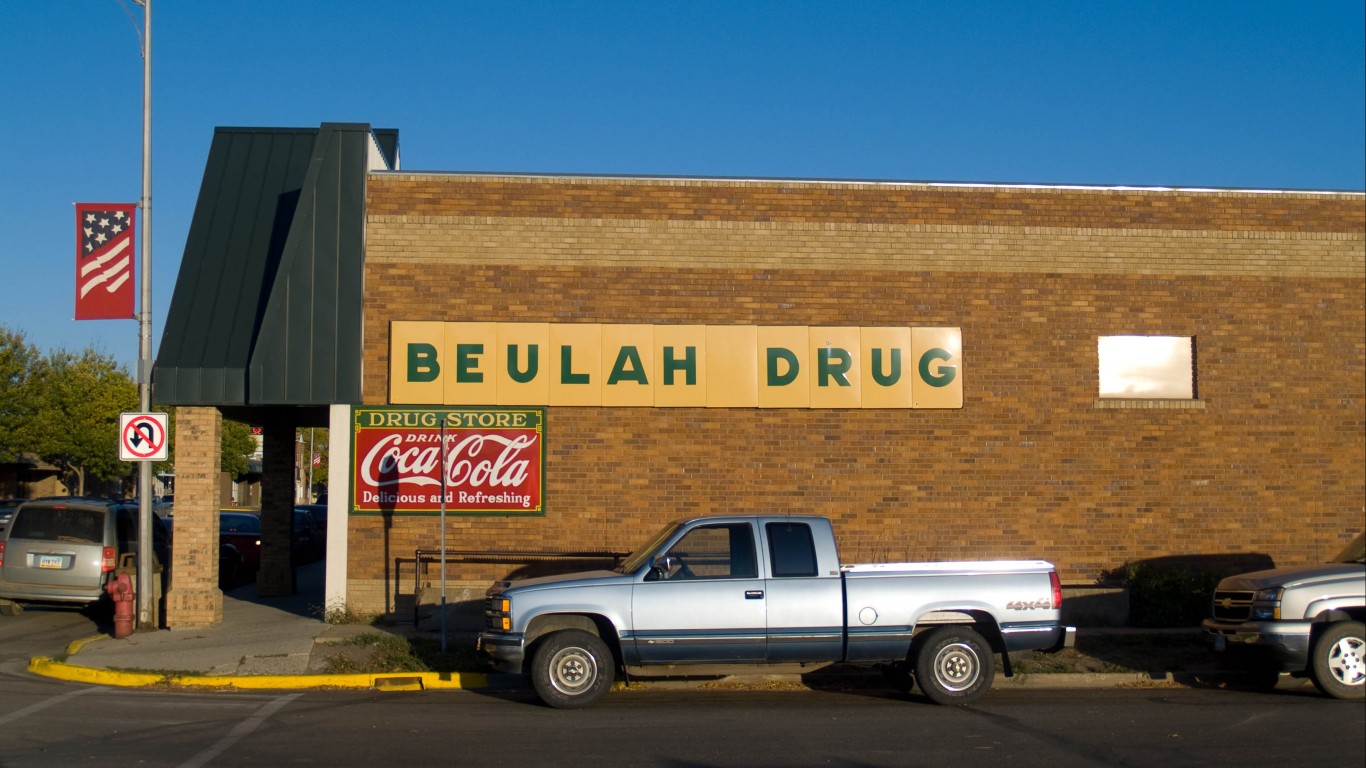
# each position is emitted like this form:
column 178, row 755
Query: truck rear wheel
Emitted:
column 953, row 665
column 1339, row 660
column 572, row 669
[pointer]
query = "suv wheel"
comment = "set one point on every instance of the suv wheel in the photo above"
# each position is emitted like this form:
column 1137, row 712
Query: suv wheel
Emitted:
column 1339, row 660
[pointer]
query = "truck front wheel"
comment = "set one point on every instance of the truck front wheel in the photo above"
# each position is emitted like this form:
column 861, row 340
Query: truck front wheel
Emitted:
column 572, row 669
column 1339, row 660
column 953, row 665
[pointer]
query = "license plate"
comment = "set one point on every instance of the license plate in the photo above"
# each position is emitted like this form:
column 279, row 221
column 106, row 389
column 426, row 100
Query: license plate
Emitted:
column 50, row 561
column 1220, row 643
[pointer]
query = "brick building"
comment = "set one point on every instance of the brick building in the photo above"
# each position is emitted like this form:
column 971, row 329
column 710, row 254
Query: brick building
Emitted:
column 1260, row 449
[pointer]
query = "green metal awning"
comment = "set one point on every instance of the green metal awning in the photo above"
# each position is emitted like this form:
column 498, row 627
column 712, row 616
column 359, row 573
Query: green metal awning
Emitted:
column 267, row 305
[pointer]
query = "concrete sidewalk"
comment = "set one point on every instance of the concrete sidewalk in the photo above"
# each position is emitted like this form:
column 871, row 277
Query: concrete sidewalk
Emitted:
column 272, row 642
column 281, row 643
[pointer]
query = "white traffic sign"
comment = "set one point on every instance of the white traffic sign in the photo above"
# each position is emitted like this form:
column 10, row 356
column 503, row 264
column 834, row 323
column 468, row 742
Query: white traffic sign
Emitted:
column 142, row 437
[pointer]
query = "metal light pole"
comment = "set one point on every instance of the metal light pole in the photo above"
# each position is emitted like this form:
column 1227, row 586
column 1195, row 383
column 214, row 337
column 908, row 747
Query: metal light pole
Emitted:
column 443, row 534
column 146, row 603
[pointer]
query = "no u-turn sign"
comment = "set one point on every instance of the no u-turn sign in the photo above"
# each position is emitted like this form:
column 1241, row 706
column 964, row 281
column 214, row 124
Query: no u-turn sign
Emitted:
column 142, row 437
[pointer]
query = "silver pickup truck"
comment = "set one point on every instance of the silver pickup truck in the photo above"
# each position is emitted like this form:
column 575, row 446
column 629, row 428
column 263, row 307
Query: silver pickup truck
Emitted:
column 1306, row 620
column 709, row 595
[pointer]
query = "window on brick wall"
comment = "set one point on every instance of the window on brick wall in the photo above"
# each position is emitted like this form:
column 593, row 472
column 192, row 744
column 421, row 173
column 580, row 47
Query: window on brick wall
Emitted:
column 1147, row 367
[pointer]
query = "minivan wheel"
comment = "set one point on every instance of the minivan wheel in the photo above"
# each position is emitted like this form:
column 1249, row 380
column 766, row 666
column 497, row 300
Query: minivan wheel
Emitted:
column 10, row 608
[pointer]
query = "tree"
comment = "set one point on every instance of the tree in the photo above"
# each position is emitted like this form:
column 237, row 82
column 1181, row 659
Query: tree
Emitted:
column 17, row 361
column 238, row 445
column 74, row 424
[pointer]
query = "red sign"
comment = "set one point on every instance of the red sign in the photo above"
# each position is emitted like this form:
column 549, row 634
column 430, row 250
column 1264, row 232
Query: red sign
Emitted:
column 483, row 461
column 104, row 261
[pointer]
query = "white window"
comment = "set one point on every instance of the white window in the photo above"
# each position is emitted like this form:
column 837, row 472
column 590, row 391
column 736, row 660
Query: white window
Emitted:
column 1147, row 367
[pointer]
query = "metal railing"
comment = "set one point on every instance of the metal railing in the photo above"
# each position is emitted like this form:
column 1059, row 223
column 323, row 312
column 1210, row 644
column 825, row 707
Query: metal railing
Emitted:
column 425, row 557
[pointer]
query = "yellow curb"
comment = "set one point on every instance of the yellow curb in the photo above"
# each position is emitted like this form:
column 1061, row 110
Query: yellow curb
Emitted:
column 42, row 665
column 77, row 645
column 401, row 681
column 398, row 681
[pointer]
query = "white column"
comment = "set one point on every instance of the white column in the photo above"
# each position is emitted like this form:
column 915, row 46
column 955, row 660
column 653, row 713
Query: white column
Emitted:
column 338, row 517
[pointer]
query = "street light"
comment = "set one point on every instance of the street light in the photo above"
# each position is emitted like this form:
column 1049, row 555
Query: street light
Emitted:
column 145, row 593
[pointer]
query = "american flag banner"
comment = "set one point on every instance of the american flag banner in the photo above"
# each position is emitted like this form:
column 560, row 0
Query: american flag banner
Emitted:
column 104, row 261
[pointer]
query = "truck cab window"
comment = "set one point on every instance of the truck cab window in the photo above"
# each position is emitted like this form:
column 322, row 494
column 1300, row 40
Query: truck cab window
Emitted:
column 792, row 550
column 710, row 552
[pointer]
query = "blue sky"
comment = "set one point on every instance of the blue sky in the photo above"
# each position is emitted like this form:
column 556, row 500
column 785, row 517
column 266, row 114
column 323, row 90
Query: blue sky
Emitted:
column 1261, row 95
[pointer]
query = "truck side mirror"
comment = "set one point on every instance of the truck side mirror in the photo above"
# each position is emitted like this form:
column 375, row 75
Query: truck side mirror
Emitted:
column 660, row 568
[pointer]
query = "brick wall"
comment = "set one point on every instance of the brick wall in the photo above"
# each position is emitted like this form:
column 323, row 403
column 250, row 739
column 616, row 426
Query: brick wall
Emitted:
column 1269, row 459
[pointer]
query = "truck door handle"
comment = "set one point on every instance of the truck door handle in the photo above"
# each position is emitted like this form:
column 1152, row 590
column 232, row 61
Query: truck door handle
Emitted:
column 754, row 594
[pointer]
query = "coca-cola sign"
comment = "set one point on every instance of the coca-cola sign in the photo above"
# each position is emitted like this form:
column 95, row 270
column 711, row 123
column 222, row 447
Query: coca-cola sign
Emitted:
column 482, row 461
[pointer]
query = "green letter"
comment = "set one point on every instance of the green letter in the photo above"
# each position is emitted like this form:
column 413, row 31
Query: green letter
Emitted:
column 688, row 364
column 466, row 363
column 567, row 375
column 828, row 368
column 422, row 364
column 776, row 354
column 888, row 379
column 619, row 368
column 533, row 363
column 947, row 372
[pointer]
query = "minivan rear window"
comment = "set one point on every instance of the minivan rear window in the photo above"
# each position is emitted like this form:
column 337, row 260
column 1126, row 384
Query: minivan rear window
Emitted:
column 59, row 524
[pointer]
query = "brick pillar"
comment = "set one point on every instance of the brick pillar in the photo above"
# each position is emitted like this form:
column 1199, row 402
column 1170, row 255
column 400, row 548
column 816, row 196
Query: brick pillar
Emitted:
column 276, row 576
column 194, row 599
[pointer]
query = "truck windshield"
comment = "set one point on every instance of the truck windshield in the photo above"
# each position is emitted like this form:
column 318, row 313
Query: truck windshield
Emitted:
column 1354, row 552
column 638, row 558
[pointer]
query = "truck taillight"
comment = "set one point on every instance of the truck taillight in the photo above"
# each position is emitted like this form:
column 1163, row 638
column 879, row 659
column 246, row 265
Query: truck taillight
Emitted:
column 107, row 561
column 2, row 553
column 1056, row 583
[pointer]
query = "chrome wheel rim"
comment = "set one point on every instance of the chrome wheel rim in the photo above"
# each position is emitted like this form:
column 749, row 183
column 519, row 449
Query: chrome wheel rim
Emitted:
column 955, row 666
column 572, row 671
column 1345, row 661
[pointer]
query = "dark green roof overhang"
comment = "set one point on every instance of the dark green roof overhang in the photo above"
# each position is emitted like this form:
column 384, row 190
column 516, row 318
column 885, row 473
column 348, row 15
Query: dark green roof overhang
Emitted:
column 267, row 305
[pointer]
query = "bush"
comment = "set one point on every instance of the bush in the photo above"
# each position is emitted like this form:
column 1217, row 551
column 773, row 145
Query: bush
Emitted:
column 1168, row 594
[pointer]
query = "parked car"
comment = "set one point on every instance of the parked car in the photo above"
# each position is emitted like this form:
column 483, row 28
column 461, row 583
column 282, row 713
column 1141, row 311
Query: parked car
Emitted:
column 318, row 513
column 64, row 550
column 160, row 507
column 307, row 540
column 7, row 507
column 239, row 547
column 1307, row 620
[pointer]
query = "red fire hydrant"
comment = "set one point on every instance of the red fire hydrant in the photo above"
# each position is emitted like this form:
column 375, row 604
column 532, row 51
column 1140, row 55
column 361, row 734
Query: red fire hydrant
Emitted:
column 120, row 589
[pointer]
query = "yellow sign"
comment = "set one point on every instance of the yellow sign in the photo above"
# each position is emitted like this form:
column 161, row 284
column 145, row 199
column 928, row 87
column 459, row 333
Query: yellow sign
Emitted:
column 674, row 366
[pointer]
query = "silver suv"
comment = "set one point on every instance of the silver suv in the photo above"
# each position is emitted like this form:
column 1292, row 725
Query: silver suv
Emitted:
column 64, row 550
column 1305, row 620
